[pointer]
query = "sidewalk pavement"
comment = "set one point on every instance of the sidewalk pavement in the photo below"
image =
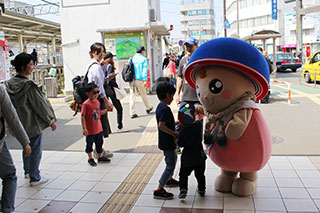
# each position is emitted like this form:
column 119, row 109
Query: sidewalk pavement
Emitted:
column 286, row 184
column 126, row 184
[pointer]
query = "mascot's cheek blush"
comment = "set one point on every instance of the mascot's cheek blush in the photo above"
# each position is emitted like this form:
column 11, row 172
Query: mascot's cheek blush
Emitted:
column 226, row 94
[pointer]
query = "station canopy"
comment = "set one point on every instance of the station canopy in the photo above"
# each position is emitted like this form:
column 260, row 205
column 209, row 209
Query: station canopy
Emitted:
column 34, row 30
column 262, row 35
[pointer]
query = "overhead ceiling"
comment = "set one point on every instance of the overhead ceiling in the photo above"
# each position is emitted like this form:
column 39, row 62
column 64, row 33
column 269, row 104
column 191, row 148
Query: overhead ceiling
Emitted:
column 33, row 29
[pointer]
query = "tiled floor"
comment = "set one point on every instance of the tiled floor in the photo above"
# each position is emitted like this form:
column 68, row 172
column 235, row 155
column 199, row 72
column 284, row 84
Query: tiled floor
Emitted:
column 286, row 184
column 73, row 185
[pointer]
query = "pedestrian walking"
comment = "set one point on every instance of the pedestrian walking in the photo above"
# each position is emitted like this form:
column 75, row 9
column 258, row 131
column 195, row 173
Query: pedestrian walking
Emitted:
column 109, row 85
column 35, row 56
column 91, row 124
column 166, row 139
column 193, row 157
column 138, row 84
column 35, row 113
column 7, row 169
column 166, row 61
column 172, row 67
column 185, row 94
column 96, row 75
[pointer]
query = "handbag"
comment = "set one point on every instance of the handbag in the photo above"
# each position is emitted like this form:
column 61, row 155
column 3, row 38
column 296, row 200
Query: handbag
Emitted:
column 120, row 92
column 167, row 72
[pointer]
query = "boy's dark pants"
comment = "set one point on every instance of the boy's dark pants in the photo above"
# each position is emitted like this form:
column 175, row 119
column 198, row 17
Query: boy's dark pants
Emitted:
column 97, row 139
column 198, row 173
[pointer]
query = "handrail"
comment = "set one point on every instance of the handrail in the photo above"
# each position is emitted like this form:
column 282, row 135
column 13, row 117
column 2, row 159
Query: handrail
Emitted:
column 288, row 85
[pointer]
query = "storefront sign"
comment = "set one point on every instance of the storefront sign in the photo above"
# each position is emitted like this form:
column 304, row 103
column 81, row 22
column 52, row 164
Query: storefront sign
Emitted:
column 274, row 8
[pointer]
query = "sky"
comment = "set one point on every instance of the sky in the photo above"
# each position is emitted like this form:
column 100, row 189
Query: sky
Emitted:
column 169, row 14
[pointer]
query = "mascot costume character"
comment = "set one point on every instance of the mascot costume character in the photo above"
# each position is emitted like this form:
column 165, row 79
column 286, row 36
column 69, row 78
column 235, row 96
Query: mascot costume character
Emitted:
column 229, row 75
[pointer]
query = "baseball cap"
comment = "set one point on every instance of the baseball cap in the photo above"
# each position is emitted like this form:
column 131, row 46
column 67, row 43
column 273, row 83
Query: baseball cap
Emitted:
column 140, row 49
column 190, row 40
column 186, row 114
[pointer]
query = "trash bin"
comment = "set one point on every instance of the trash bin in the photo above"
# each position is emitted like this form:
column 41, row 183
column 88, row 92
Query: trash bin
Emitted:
column 51, row 87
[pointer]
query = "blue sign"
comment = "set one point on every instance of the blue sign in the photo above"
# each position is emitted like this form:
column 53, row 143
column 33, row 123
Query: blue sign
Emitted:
column 180, row 43
column 227, row 24
column 274, row 9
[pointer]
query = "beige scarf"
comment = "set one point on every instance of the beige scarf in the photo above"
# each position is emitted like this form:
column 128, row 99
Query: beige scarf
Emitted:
column 217, row 118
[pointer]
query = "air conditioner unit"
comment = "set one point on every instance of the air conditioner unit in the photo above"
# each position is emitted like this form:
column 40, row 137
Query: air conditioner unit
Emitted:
column 152, row 15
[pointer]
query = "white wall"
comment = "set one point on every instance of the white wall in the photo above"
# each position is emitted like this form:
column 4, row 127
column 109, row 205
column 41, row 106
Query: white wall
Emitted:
column 81, row 24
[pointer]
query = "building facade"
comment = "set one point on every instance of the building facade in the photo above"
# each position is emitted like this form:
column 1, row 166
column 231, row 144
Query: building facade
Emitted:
column 121, row 25
column 251, row 16
column 197, row 19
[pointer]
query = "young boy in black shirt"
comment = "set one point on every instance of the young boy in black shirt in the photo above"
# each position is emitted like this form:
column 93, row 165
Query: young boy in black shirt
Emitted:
column 193, row 157
column 166, row 139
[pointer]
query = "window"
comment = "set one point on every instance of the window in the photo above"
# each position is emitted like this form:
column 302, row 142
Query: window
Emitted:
column 243, row 4
column 316, row 58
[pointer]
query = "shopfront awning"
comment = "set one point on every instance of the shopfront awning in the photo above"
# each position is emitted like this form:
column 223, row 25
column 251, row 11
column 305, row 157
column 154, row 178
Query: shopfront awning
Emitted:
column 32, row 29
column 159, row 28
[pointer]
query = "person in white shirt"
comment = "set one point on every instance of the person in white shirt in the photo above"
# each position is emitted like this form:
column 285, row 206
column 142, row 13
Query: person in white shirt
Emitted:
column 96, row 75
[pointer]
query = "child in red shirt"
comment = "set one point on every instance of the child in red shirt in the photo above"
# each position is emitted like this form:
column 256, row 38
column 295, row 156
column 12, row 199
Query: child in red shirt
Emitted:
column 91, row 124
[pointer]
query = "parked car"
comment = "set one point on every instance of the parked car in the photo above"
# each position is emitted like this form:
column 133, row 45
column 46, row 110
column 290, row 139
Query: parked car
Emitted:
column 312, row 67
column 285, row 62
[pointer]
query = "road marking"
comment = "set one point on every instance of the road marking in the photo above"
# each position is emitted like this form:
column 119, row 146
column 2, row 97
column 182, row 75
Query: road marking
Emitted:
column 313, row 97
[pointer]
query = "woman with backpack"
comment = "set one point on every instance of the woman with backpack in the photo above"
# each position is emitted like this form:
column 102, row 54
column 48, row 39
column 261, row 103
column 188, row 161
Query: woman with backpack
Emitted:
column 96, row 75
column 111, row 83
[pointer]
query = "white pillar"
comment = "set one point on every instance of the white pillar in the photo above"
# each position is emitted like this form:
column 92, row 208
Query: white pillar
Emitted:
column 54, row 53
column 20, row 41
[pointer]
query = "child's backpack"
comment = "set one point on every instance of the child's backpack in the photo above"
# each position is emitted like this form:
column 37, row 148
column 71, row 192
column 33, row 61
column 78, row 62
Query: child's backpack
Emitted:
column 128, row 71
column 79, row 94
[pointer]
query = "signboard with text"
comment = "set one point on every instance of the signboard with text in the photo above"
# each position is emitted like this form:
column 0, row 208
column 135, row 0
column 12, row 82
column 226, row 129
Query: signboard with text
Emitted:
column 274, row 11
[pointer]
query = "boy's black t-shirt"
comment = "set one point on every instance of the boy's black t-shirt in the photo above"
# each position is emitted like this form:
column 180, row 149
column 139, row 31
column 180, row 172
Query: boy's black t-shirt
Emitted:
column 164, row 114
column 190, row 138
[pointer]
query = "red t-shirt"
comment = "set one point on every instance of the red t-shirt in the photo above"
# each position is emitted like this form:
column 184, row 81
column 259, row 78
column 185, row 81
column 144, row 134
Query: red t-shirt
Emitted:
column 91, row 112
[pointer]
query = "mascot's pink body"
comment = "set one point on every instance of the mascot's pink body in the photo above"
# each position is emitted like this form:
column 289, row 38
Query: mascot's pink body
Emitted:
column 229, row 75
column 250, row 152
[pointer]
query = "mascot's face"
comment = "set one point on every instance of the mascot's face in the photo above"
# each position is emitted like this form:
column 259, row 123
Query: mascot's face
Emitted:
column 220, row 87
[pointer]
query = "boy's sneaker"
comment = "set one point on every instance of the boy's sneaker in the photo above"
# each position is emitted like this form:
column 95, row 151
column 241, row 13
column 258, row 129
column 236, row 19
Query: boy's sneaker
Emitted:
column 103, row 160
column 162, row 194
column 172, row 183
column 41, row 181
column 201, row 192
column 92, row 162
column 183, row 193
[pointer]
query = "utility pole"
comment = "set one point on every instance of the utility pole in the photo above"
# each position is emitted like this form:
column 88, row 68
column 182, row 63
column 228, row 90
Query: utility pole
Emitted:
column 300, row 12
column 299, row 42
column 224, row 17
column 238, row 33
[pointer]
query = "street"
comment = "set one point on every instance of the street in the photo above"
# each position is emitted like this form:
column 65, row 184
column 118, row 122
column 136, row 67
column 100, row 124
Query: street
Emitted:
column 294, row 127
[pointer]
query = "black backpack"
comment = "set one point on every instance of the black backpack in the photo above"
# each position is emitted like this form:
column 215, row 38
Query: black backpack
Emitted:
column 128, row 71
column 79, row 94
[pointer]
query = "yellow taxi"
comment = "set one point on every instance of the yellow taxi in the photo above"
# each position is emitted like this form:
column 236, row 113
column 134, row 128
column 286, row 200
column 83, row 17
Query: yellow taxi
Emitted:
column 311, row 68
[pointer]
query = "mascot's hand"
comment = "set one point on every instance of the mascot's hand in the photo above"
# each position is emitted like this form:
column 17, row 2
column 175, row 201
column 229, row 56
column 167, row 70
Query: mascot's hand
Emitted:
column 238, row 124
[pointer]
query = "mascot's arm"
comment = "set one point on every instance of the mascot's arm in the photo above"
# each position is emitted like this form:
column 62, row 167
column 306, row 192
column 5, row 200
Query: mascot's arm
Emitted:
column 238, row 124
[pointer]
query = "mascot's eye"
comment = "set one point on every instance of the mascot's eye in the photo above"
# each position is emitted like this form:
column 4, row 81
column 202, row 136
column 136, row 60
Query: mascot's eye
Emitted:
column 215, row 86
column 198, row 91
